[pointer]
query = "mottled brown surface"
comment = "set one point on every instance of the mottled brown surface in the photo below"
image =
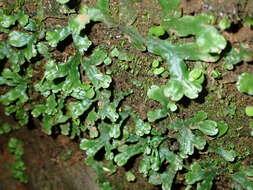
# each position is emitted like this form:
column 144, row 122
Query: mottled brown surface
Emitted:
column 52, row 164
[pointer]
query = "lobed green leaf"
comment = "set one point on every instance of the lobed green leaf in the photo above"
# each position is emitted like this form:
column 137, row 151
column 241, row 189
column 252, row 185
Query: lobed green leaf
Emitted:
column 245, row 83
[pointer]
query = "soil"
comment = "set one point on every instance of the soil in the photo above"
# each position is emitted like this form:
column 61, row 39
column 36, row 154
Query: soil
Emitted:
column 52, row 163
column 57, row 162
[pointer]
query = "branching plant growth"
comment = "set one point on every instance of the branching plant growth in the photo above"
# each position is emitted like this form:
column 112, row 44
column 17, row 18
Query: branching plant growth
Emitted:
column 75, row 93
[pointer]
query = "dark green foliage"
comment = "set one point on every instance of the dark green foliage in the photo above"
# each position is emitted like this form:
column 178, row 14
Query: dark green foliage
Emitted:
column 18, row 166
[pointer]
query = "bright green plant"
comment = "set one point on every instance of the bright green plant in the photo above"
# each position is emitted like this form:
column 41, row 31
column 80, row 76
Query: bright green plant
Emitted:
column 15, row 99
column 236, row 55
column 249, row 111
column 17, row 76
column 78, row 98
column 153, row 149
column 245, row 85
column 209, row 44
column 224, row 23
column 223, row 128
column 156, row 31
column 156, row 68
